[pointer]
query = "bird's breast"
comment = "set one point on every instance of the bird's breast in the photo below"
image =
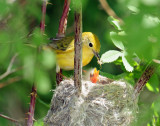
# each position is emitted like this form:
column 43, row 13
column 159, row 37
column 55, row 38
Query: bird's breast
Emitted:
column 65, row 60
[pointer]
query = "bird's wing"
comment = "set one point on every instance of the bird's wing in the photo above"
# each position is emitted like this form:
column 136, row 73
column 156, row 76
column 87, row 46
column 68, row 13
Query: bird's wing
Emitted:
column 63, row 44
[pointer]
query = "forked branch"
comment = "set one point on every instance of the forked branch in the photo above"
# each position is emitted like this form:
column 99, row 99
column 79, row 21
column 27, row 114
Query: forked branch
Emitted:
column 9, row 69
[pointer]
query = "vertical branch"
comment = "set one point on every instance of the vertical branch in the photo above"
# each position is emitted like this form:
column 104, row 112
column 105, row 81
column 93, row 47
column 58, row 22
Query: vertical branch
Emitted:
column 30, row 118
column 143, row 80
column 78, row 48
column 61, row 32
column 42, row 24
column 63, row 20
column 32, row 106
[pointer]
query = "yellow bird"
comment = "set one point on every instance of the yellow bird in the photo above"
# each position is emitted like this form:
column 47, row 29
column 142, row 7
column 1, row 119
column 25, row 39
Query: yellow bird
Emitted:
column 64, row 49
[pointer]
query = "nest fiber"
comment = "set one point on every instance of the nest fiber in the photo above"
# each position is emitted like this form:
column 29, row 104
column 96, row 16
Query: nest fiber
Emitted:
column 103, row 104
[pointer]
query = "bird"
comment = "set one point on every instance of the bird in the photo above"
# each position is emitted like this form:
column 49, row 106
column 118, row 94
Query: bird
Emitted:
column 64, row 50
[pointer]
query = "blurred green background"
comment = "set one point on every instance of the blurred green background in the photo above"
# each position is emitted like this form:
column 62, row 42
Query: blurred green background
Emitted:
column 19, row 24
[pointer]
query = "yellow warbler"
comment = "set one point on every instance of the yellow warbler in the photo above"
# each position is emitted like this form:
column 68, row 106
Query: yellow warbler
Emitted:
column 64, row 49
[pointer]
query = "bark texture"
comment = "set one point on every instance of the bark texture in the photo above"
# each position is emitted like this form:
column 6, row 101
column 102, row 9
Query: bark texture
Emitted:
column 78, row 50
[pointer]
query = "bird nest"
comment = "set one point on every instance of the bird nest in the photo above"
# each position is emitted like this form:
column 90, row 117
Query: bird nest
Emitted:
column 107, row 103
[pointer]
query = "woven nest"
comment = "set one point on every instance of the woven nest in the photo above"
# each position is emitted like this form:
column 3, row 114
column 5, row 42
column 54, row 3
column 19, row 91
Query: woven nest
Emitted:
column 108, row 103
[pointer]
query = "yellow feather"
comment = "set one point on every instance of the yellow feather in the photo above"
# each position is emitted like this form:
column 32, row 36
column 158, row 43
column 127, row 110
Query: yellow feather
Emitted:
column 64, row 50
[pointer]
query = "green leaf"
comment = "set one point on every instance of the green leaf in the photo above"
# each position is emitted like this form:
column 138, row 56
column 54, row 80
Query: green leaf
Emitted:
column 114, row 77
column 5, row 48
column 155, row 106
column 133, row 8
column 32, row 8
column 37, row 37
column 39, row 123
column 48, row 59
column 148, row 124
column 151, row 2
column 43, row 103
column 126, row 64
column 114, row 22
column 150, row 21
column 4, row 7
column 43, row 82
column 110, row 56
column 29, row 68
column 116, row 42
column 149, row 87
column 153, row 84
column 108, row 75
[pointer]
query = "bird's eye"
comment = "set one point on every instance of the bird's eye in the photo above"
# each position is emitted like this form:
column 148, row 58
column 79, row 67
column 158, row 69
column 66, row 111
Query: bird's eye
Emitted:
column 90, row 45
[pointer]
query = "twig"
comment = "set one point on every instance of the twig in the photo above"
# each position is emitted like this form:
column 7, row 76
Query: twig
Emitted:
column 30, row 118
column 32, row 107
column 59, row 77
column 61, row 33
column 10, row 119
column 11, row 80
column 9, row 69
column 63, row 20
column 42, row 25
column 143, row 80
column 109, row 10
column 78, row 48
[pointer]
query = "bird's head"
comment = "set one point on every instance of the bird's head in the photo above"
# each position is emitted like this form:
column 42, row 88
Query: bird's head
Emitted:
column 91, row 40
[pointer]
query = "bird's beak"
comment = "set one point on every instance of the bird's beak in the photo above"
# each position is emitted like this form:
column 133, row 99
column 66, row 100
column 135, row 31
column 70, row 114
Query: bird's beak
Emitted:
column 96, row 55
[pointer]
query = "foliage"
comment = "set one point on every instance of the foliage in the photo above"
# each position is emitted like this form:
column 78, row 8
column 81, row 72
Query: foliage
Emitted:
column 113, row 55
column 130, row 46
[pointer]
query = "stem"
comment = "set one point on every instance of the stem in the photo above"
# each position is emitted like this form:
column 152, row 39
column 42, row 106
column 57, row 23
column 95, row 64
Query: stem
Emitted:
column 9, row 69
column 8, row 118
column 143, row 79
column 42, row 25
column 78, row 49
column 9, row 81
column 63, row 20
column 59, row 77
column 30, row 118
column 109, row 10
column 61, row 32
column 32, row 106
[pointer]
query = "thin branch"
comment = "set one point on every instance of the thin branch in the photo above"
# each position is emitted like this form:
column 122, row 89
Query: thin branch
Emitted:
column 9, row 69
column 42, row 25
column 143, row 80
column 30, row 118
column 59, row 77
column 9, row 81
column 63, row 20
column 109, row 10
column 78, row 48
column 61, row 33
column 10, row 119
